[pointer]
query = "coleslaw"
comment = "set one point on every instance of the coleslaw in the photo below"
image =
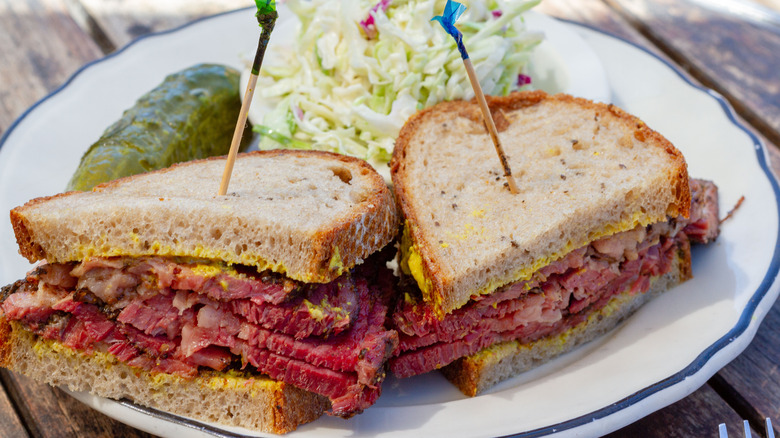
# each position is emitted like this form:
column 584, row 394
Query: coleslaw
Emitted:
column 358, row 69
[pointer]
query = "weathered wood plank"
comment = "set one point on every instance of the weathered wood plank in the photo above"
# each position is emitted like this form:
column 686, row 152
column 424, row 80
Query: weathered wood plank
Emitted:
column 697, row 415
column 593, row 13
column 10, row 423
column 772, row 4
column 124, row 21
column 753, row 378
column 41, row 47
column 50, row 413
column 726, row 48
column 37, row 405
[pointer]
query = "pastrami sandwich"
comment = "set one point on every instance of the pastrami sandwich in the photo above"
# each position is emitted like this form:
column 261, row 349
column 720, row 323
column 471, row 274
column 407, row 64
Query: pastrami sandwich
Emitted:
column 263, row 308
column 497, row 283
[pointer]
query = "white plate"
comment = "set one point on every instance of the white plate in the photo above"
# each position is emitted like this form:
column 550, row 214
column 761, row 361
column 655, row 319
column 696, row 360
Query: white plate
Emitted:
column 660, row 355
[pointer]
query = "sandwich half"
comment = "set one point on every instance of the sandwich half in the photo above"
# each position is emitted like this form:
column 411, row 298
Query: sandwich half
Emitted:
column 498, row 283
column 262, row 309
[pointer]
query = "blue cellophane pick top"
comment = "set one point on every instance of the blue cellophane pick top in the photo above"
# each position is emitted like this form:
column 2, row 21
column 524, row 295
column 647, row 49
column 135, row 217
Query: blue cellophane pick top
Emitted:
column 453, row 11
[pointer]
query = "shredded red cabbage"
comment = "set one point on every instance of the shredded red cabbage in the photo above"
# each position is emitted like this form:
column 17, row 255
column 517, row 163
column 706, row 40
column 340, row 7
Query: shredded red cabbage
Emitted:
column 368, row 24
column 523, row 80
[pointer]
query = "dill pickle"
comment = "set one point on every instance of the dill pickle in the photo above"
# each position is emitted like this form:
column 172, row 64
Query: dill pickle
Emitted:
column 190, row 115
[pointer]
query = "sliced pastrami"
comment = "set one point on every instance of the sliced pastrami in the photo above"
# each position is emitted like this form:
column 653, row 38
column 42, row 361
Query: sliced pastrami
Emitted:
column 363, row 349
column 704, row 224
column 327, row 309
column 156, row 316
column 555, row 298
column 116, row 281
column 337, row 344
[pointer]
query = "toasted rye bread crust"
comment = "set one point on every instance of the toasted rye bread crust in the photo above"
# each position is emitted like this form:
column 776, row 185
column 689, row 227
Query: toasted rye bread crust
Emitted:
column 253, row 403
column 284, row 222
column 471, row 235
column 482, row 370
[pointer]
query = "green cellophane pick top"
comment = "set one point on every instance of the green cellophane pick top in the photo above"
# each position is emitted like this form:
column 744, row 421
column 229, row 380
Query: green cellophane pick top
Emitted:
column 191, row 115
column 266, row 18
column 265, row 7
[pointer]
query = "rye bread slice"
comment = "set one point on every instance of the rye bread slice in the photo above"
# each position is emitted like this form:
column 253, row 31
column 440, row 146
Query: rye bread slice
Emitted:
column 309, row 215
column 585, row 170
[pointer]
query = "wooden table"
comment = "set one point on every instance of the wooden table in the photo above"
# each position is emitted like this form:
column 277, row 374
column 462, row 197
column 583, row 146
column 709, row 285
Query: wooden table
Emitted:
column 731, row 46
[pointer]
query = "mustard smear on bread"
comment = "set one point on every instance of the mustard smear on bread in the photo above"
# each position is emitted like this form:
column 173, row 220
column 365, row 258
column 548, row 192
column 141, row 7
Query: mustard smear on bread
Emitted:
column 210, row 270
column 156, row 248
column 336, row 264
column 411, row 264
column 238, row 381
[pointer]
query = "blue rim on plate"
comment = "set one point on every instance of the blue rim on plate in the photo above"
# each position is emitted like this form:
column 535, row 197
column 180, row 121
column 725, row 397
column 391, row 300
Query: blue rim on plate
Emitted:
column 693, row 368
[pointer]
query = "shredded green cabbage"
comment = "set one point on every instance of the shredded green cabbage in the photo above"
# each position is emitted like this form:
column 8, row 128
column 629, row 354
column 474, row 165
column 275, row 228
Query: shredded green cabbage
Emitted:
column 349, row 88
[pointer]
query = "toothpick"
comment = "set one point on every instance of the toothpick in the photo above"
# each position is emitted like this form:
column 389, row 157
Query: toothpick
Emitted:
column 266, row 17
column 491, row 125
column 237, row 134
column 453, row 10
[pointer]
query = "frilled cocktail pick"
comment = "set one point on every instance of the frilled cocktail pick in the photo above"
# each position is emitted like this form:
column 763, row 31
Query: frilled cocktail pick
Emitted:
column 266, row 17
column 452, row 11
